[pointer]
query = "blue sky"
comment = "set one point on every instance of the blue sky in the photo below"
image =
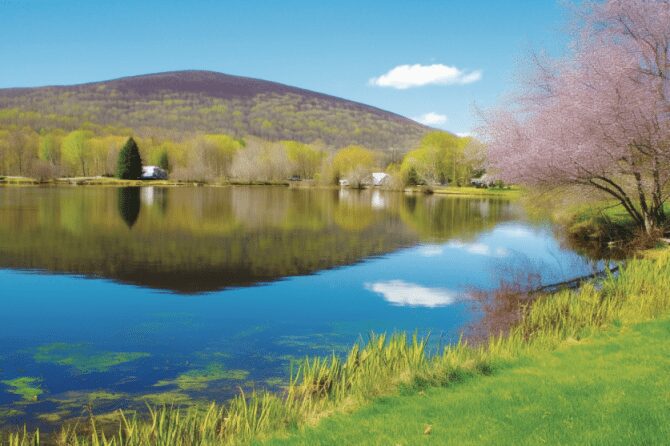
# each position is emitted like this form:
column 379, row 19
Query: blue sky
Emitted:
column 461, row 52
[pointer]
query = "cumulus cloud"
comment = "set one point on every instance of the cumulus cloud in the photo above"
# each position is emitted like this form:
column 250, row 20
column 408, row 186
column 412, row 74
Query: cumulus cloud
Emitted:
column 403, row 77
column 431, row 118
column 401, row 293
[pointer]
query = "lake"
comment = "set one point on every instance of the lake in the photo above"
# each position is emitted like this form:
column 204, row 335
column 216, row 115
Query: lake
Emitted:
column 111, row 298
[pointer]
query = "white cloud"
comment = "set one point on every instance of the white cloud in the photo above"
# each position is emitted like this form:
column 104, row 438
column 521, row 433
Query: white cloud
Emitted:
column 403, row 77
column 431, row 118
column 398, row 292
column 463, row 134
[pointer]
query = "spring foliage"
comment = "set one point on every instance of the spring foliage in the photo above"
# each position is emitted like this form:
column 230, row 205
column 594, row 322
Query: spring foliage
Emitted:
column 598, row 117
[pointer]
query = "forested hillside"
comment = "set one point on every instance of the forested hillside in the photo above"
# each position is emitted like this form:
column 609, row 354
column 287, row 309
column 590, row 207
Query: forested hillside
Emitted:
column 199, row 102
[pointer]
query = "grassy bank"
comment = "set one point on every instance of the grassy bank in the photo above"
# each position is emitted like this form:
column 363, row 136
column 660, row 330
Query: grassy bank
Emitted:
column 510, row 192
column 609, row 389
column 17, row 181
column 604, row 222
column 321, row 387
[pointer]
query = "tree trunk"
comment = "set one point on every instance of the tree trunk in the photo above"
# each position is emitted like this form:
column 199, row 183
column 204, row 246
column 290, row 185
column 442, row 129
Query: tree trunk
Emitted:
column 654, row 219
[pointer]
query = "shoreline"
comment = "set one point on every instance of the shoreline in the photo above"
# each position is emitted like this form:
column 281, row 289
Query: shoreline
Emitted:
column 321, row 388
column 464, row 191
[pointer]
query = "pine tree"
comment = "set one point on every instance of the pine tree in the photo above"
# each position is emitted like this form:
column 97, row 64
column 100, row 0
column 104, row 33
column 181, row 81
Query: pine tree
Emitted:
column 129, row 166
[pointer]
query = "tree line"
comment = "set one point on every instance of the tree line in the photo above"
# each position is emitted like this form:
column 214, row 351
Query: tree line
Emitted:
column 440, row 157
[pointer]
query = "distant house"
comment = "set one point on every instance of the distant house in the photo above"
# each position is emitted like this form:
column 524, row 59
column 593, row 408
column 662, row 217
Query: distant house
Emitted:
column 153, row 173
column 483, row 181
column 379, row 178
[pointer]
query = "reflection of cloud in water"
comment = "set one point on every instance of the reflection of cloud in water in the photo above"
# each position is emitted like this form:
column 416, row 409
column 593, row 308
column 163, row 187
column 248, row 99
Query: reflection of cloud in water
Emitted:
column 515, row 231
column 401, row 293
column 430, row 250
column 480, row 249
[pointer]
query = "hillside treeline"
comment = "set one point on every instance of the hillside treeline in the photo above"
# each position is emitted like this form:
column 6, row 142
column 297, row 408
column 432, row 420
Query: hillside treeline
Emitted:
column 439, row 158
column 269, row 116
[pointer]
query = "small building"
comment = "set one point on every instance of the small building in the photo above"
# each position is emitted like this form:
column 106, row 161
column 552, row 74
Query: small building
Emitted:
column 153, row 173
column 484, row 181
column 379, row 178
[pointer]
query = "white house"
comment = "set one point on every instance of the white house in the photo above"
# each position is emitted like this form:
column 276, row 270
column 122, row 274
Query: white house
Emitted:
column 153, row 173
column 484, row 181
column 379, row 178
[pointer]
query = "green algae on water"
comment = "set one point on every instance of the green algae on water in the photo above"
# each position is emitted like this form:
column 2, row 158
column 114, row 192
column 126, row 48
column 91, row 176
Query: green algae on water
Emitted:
column 83, row 358
column 199, row 379
column 9, row 413
column 276, row 382
column 165, row 399
column 28, row 387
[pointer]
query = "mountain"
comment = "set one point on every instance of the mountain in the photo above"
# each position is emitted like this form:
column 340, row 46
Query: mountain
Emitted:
column 209, row 102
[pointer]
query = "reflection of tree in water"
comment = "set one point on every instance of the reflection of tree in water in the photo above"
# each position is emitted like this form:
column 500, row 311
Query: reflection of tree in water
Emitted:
column 129, row 204
column 222, row 237
column 443, row 218
column 520, row 280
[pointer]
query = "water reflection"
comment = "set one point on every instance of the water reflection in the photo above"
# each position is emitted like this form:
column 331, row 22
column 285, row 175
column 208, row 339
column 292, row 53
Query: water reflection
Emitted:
column 194, row 240
column 129, row 205
column 401, row 293
column 349, row 262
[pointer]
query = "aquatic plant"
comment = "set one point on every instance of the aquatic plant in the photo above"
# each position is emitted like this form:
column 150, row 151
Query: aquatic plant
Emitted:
column 382, row 365
column 199, row 378
column 28, row 387
column 83, row 357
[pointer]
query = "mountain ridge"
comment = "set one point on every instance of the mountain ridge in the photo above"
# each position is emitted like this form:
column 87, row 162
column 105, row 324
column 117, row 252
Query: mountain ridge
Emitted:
column 209, row 101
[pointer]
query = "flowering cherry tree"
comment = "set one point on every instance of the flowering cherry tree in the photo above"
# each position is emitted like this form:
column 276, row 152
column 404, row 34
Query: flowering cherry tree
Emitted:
column 600, row 117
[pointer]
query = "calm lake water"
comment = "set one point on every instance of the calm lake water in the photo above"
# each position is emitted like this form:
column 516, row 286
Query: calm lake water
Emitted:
column 113, row 297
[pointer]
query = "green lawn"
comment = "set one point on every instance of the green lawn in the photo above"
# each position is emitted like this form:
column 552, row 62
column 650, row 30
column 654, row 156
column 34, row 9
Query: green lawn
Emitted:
column 468, row 191
column 608, row 390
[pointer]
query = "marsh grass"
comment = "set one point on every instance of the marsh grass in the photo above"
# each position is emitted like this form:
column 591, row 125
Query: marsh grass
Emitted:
column 384, row 364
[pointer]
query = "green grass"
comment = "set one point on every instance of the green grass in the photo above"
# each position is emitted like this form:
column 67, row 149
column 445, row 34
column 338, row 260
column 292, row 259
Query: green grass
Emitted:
column 607, row 221
column 17, row 181
column 321, row 387
column 612, row 389
column 468, row 191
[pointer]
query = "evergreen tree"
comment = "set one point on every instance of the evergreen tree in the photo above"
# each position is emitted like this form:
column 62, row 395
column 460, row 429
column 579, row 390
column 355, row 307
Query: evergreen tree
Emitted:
column 129, row 166
column 164, row 161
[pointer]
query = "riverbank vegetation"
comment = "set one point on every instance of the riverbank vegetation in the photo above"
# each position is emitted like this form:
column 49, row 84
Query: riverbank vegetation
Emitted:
column 318, row 387
column 590, row 392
